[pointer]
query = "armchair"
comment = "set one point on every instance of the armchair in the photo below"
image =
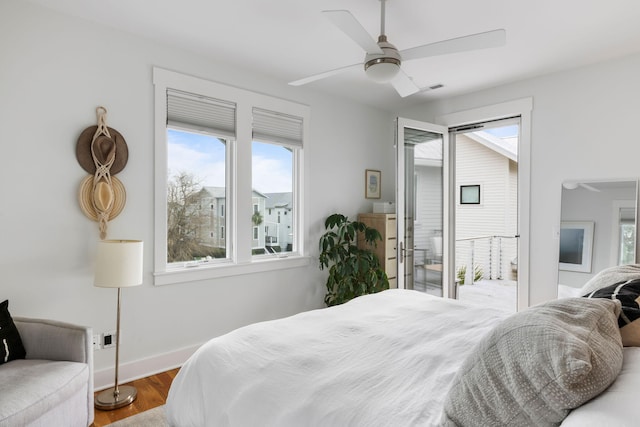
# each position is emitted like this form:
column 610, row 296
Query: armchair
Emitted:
column 53, row 385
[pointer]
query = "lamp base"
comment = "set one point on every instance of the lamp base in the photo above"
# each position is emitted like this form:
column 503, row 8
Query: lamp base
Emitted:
column 107, row 400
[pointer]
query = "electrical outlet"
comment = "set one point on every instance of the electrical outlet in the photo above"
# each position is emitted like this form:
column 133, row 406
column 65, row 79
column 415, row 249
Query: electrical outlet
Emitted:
column 97, row 342
column 108, row 339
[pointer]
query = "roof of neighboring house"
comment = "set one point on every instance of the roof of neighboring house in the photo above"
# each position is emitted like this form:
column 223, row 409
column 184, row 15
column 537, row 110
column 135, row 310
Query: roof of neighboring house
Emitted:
column 278, row 200
column 215, row 192
column 431, row 151
column 508, row 147
column 219, row 192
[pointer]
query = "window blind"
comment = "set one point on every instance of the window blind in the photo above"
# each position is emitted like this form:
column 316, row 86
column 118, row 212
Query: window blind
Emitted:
column 201, row 114
column 277, row 127
column 486, row 125
column 627, row 215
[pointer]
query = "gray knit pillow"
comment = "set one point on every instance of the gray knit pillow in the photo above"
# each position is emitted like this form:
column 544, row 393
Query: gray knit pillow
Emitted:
column 537, row 365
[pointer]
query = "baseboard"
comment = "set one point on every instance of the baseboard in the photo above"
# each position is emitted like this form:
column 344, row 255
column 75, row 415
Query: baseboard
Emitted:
column 142, row 368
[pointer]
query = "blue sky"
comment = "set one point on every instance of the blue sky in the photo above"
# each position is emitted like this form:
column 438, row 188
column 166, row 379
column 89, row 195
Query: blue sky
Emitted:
column 204, row 156
column 504, row 131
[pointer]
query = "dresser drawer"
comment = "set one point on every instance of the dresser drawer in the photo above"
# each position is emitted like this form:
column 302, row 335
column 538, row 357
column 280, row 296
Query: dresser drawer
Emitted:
column 391, row 228
column 390, row 248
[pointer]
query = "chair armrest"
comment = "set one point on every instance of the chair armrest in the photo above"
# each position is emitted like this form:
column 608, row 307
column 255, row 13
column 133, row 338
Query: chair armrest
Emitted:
column 53, row 340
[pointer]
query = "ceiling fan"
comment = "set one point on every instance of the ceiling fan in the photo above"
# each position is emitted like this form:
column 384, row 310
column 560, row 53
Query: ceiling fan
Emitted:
column 573, row 185
column 383, row 60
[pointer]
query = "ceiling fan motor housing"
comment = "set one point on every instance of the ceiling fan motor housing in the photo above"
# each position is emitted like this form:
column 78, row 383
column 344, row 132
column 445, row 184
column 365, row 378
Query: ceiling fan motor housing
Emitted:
column 383, row 67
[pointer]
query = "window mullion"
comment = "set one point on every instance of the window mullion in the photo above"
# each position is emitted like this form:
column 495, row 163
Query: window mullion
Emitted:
column 243, row 202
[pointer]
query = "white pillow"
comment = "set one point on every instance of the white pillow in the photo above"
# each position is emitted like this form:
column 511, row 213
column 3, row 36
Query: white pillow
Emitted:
column 617, row 405
column 610, row 276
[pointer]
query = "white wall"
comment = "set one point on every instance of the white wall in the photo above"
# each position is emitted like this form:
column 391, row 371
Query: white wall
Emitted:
column 581, row 123
column 55, row 71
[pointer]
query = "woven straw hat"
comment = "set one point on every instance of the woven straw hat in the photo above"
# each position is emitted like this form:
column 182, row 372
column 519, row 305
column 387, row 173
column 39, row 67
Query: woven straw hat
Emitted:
column 103, row 147
column 106, row 196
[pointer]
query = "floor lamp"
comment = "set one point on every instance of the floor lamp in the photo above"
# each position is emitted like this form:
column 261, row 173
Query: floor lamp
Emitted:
column 118, row 265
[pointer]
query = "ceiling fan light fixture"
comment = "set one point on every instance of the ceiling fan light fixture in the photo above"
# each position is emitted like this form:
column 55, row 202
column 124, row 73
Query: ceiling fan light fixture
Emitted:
column 570, row 185
column 382, row 70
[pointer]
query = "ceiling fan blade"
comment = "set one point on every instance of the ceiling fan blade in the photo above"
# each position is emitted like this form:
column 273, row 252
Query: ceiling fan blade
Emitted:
column 403, row 84
column 589, row 187
column 485, row 40
column 344, row 20
column 324, row 74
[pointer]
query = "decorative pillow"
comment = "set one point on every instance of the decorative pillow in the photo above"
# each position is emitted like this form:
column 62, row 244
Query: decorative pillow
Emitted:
column 610, row 276
column 10, row 343
column 537, row 365
column 628, row 293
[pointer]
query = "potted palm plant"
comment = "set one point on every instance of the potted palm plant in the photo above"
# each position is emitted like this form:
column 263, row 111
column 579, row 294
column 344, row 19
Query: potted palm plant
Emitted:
column 353, row 271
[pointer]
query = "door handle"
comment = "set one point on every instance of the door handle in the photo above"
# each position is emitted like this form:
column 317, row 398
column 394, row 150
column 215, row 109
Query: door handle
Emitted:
column 403, row 250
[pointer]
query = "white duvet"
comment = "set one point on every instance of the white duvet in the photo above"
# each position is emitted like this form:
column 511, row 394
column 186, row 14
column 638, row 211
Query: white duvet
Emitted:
column 380, row 360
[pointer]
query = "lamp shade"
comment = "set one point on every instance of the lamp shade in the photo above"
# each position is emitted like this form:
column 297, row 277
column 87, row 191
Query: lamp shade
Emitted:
column 118, row 263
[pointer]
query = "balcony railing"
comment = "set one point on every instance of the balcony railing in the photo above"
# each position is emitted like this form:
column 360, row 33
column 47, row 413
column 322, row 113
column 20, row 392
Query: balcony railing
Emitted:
column 271, row 240
column 490, row 257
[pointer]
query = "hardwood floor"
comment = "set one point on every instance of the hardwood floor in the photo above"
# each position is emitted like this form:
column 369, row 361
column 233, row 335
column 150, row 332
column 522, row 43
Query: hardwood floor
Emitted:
column 152, row 392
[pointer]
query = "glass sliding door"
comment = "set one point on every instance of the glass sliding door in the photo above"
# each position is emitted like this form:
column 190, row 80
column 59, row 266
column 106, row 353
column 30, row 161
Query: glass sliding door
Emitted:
column 422, row 177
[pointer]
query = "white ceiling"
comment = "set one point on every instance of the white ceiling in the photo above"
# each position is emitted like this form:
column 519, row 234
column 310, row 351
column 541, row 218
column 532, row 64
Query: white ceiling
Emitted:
column 291, row 39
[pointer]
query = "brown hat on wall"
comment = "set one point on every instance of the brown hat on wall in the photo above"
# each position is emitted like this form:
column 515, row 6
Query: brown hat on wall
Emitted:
column 102, row 147
column 103, row 152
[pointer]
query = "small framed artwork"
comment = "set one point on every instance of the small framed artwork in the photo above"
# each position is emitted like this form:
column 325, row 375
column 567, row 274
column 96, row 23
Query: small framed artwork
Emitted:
column 470, row 194
column 372, row 184
column 576, row 245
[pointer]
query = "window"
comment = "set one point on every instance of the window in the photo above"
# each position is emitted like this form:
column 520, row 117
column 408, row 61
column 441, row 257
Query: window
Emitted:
column 626, row 235
column 469, row 194
column 206, row 132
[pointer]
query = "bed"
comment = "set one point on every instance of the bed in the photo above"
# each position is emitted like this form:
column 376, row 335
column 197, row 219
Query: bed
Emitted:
column 405, row 358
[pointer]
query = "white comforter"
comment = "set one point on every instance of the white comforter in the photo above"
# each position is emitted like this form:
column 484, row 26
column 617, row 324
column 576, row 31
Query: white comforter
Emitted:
column 380, row 360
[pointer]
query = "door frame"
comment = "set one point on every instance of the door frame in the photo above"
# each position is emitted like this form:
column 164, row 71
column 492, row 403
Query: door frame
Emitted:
column 523, row 108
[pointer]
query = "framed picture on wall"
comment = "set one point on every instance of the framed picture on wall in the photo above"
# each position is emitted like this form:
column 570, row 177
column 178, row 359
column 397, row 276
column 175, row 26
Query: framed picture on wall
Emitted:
column 372, row 184
column 576, row 245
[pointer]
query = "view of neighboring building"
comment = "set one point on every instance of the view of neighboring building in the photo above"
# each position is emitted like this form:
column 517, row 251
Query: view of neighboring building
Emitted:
column 486, row 226
column 271, row 220
column 212, row 230
column 486, row 230
column 277, row 222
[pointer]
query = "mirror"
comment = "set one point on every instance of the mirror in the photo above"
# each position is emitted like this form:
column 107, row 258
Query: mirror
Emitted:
column 597, row 230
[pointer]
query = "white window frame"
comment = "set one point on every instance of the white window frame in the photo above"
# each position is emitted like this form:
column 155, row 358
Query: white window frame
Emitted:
column 240, row 259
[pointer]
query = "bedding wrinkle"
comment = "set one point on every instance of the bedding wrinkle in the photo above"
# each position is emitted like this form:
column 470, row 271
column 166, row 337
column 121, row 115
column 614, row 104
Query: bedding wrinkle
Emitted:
column 385, row 359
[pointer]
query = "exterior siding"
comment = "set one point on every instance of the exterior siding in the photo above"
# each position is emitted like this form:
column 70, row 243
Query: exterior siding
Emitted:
column 496, row 215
